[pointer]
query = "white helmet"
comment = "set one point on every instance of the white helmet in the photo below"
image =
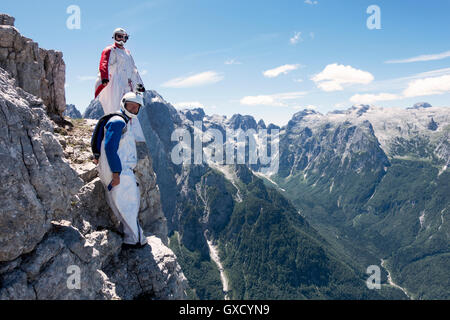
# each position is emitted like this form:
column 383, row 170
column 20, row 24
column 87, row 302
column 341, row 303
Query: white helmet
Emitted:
column 122, row 32
column 131, row 97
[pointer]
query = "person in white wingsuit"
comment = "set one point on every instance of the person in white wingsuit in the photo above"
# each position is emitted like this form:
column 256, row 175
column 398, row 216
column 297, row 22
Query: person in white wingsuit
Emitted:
column 117, row 75
column 118, row 158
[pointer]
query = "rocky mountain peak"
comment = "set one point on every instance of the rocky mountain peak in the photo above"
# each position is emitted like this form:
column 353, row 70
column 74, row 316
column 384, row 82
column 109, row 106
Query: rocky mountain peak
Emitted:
column 432, row 125
column 72, row 112
column 261, row 124
column 421, row 105
column 94, row 110
column 6, row 20
column 301, row 114
column 243, row 122
column 38, row 71
column 360, row 109
column 196, row 114
column 273, row 126
column 54, row 213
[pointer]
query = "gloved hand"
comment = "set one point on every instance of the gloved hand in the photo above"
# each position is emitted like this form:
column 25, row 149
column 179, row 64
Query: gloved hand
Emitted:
column 140, row 88
column 105, row 81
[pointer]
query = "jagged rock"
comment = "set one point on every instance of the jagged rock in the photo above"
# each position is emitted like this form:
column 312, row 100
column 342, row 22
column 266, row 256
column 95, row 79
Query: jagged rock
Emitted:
column 151, row 213
column 158, row 120
column 219, row 208
column 245, row 122
column 36, row 182
column 89, row 211
column 94, row 110
column 44, row 274
column 15, row 287
column 6, row 20
column 89, row 204
column 72, row 112
column 39, row 186
column 272, row 126
column 421, row 105
column 50, row 222
column 87, row 171
column 432, row 125
column 196, row 114
column 243, row 173
column 261, row 124
column 38, row 71
column 151, row 272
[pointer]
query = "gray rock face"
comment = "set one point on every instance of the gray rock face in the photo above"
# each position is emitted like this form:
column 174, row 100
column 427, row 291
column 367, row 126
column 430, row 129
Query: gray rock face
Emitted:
column 152, row 216
column 261, row 124
column 151, row 273
column 419, row 105
column 432, row 125
column 196, row 114
column 272, row 126
column 245, row 122
column 52, row 226
column 158, row 120
column 412, row 132
column 38, row 71
column 36, row 182
column 94, row 110
column 6, row 20
column 342, row 146
column 362, row 167
column 105, row 271
column 72, row 112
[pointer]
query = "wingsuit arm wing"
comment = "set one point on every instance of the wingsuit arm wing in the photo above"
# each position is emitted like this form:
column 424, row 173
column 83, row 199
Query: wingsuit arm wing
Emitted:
column 113, row 133
column 136, row 77
column 104, row 63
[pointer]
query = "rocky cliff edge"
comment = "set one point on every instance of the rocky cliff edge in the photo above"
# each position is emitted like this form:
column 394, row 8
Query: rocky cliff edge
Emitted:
column 58, row 237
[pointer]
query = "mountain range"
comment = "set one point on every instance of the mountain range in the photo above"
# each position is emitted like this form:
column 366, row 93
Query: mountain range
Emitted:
column 353, row 188
column 342, row 193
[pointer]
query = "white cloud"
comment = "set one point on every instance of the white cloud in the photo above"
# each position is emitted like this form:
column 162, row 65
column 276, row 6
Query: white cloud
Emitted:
column 86, row 78
column 276, row 100
column 296, row 38
column 311, row 2
column 273, row 73
column 335, row 76
column 310, row 107
column 428, row 86
column 425, row 57
column 144, row 72
column 415, row 88
column 372, row 98
column 195, row 80
column 188, row 105
column 402, row 82
column 232, row 61
column 298, row 80
column 312, row 35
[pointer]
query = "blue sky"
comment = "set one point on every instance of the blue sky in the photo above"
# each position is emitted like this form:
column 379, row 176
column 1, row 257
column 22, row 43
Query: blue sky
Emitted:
column 268, row 59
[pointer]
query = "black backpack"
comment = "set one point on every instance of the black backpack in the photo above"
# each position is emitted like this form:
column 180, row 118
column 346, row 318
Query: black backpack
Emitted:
column 99, row 132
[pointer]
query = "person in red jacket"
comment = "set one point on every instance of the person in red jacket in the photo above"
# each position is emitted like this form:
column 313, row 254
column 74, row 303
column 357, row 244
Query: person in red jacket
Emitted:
column 117, row 73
